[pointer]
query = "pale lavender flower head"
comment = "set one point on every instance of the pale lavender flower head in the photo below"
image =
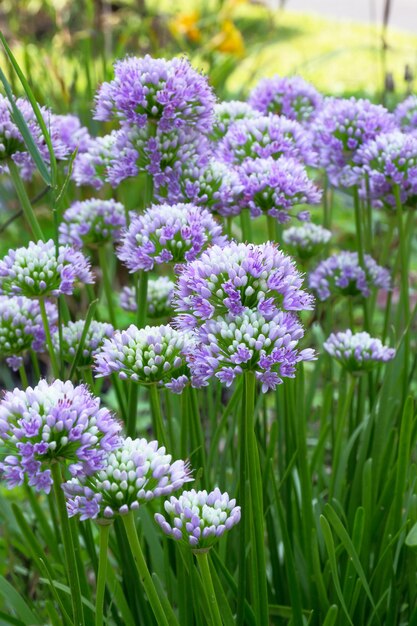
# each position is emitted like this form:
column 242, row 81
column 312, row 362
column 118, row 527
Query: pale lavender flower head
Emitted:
column 341, row 128
column 292, row 97
column 53, row 423
column 226, row 281
column 147, row 92
column 134, row 473
column 68, row 131
column 198, row 518
column 389, row 160
column 21, row 327
column 357, row 352
column 92, row 222
column 406, row 114
column 228, row 346
column 341, row 274
column 168, row 234
column 307, row 240
column 71, row 337
column 11, row 141
column 275, row 187
column 263, row 137
column 154, row 354
column 37, row 271
column 159, row 296
column 227, row 113
column 90, row 168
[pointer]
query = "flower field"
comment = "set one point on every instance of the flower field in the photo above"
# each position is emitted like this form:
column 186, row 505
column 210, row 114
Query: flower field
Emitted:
column 208, row 354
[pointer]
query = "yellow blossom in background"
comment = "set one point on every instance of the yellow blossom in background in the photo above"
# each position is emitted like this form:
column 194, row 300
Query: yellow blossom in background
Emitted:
column 229, row 40
column 186, row 25
column 229, row 8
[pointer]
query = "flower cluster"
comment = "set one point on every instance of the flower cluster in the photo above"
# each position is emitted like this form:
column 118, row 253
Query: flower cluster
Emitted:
column 275, row 187
column 154, row 354
column 292, row 97
column 406, row 114
column 53, row 423
column 226, row 281
column 71, row 336
column 357, row 352
column 134, row 473
column 11, row 141
column 227, row 113
column 91, row 167
column 199, row 518
column 306, row 240
column 92, row 222
column 159, row 297
column 67, row 130
column 165, row 234
column 38, row 271
column 342, row 274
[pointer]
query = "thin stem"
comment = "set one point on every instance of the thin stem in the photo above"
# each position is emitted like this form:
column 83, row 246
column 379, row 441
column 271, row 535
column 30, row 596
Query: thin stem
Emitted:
column 24, row 201
column 204, row 567
column 243, row 500
column 142, row 299
column 404, row 293
column 52, row 355
column 74, row 582
column 35, row 364
column 132, row 409
column 23, row 376
column 102, row 571
column 158, row 424
column 270, row 222
column 108, row 289
column 246, row 226
column 144, row 575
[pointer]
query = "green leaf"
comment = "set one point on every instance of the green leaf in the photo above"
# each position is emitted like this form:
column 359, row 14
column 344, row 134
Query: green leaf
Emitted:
column 331, row 616
column 411, row 539
column 17, row 603
column 88, row 320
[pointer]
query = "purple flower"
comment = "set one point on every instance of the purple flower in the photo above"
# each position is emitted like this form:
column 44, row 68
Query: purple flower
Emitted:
column 342, row 274
column 11, row 141
column 199, row 518
column 406, row 114
column 92, row 222
column 165, row 234
column 50, row 423
column 71, row 337
column 275, row 187
column 159, row 296
column 134, row 473
column 90, row 167
column 225, row 281
column 37, row 271
column 227, row 113
column 307, row 240
column 357, row 352
column 67, row 130
column 291, row 96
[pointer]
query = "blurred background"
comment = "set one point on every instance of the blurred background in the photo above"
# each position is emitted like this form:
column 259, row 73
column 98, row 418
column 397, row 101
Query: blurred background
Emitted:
column 344, row 47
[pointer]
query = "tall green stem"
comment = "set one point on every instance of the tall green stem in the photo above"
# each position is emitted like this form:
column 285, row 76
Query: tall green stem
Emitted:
column 73, row 579
column 108, row 289
column 144, row 575
column 132, row 409
column 404, row 294
column 142, row 299
column 23, row 376
column 102, row 571
column 52, row 355
column 204, row 567
column 246, row 226
column 361, row 254
column 158, row 424
column 24, row 201
column 243, row 500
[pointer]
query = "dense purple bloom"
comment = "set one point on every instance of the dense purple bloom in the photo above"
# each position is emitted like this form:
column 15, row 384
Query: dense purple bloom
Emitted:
column 307, row 240
column 134, row 473
column 357, row 352
column 341, row 128
column 147, row 92
column 199, row 518
column 406, row 114
column 50, row 423
column 11, row 141
column 168, row 234
column 159, row 295
column 71, row 337
column 67, row 130
column 92, row 222
column 229, row 112
column 291, row 96
column 226, row 281
column 37, row 270
column 342, row 274
column 154, row 354
column 263, row 137
column 91, row 167
column 228, row 346
column 275, row 187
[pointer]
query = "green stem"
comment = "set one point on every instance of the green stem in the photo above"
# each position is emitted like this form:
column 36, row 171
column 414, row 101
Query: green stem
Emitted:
column 144, row 575
column 132, row 409
column 404, row 294
column 243, row 500
column 142, row 299
column 270, row 222
column 158, row 424
column 24, row 201
column 102, row 570
column 204, row 567
column 361, row 254
column 246, row 226
column 74, row 582
column 54, row 362
column 35, row 364
column 108, row 289
column 23, row 376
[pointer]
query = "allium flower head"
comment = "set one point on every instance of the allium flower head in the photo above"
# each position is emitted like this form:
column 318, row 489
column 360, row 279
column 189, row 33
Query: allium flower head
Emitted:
column 357, row 352
column 226, row 281
column 53, row 423
column 263, row 137
column 165, row 234
column 38, row 271
column 342, row 274
column 147, row 92
column 134, row 473
column 154, row 354
column 228, row 346
column 91, row 167
column 11, row 141
column 92, row 222
column 406, row 114
column 306, row 240
column 68, row 131
column 291, row 96
column 275, row 187
column 159, row 296
column 227, row 113
column 21, row 327
column 199, row 518
column 71, row 337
